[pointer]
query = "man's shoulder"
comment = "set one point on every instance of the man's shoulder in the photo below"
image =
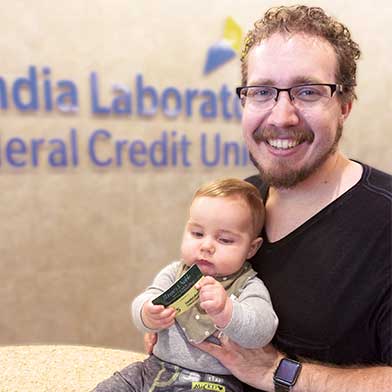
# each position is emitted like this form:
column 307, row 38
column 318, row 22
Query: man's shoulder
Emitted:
column 259, row 184
column 377, row 181
column 255, row 180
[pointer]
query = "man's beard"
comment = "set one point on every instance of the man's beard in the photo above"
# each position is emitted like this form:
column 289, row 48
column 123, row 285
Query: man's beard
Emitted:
column 287, row 177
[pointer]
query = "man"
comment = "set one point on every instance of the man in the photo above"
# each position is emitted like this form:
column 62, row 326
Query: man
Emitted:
column 327, row 253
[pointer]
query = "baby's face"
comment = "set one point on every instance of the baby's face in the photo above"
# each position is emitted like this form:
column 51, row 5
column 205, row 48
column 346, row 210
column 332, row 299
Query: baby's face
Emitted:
column 218, row 236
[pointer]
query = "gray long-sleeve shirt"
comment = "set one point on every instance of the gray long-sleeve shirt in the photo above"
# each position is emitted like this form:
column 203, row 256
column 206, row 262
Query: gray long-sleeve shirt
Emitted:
column 253, row 324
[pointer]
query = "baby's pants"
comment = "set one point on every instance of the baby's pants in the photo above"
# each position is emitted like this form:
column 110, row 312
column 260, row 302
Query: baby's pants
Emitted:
column 154, row 375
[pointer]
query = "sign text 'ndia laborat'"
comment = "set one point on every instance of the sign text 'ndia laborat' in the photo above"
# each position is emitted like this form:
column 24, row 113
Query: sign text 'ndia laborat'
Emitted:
column 101, row 148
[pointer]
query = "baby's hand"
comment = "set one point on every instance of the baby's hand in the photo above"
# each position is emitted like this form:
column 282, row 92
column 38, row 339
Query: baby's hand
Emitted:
column 214, row 300
column 157, row 316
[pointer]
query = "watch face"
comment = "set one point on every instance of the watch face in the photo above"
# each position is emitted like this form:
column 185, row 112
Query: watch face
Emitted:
column 287, row 371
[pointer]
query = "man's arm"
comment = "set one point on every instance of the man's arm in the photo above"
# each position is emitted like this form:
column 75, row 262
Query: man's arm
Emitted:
column 256, row 367
column 319, row 378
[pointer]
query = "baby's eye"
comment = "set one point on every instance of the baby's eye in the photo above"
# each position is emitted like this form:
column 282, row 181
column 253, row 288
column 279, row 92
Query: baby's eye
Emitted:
column 226, row 241
column 197, row 234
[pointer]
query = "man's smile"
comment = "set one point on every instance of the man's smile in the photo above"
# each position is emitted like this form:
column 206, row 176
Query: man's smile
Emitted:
column 283, row 139
column 283, row 144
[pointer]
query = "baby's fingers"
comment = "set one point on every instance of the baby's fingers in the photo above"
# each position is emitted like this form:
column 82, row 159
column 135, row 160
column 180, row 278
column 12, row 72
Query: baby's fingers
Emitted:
column 168, row 313
column 205, row 281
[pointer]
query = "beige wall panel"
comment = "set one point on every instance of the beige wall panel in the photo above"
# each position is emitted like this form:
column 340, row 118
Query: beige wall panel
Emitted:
column 78, row 243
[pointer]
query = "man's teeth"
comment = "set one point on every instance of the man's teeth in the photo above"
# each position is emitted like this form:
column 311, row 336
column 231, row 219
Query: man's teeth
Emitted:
column 283, row 144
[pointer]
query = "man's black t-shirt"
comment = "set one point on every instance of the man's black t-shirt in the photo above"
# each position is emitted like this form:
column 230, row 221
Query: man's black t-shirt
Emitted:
column 330, row 279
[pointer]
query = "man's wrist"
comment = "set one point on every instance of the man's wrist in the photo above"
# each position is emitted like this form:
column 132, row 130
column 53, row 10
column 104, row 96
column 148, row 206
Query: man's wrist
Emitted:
column 286, row 375
column 267, row 377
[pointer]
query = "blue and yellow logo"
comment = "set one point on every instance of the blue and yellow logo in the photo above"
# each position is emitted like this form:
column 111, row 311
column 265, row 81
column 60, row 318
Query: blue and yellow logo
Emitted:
column 225, row 49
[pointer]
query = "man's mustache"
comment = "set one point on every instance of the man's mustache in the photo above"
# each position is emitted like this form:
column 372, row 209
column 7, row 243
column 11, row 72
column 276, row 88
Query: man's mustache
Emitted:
column 299, row 134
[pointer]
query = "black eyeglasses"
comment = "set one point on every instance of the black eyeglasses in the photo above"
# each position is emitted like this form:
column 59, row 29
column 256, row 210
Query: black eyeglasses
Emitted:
column 302, row 96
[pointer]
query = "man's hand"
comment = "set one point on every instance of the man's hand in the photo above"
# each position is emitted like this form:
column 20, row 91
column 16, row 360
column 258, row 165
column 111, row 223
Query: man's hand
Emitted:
column 157, row 316
column 150, row 340
column 256, row 367
column 214, row 300
column 252, row 366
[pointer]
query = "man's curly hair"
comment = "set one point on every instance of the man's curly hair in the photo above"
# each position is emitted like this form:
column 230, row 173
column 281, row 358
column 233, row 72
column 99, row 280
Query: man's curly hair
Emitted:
column 312, row 21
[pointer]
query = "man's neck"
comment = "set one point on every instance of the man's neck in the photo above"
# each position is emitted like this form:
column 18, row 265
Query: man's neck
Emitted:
column 336, row 175
column 287, row 209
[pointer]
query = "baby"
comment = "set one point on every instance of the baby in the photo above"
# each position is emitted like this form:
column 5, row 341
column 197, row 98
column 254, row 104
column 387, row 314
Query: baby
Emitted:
column 221, row 234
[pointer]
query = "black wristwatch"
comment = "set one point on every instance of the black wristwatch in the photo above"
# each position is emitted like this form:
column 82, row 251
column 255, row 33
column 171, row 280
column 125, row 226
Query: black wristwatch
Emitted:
column 286, row 375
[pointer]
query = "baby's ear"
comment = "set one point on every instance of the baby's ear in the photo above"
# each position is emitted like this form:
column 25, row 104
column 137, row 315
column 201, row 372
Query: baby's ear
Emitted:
column 254, row 247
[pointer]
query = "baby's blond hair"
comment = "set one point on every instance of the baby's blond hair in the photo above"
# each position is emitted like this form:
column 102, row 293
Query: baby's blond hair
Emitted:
column 225, row 187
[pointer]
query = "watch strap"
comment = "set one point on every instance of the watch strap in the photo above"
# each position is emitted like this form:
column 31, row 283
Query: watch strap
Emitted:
column 281, row 388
